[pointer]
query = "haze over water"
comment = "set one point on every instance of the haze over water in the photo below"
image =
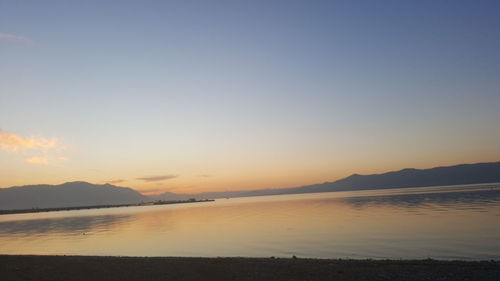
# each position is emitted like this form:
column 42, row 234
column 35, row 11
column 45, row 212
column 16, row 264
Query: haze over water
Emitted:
column 460, row 222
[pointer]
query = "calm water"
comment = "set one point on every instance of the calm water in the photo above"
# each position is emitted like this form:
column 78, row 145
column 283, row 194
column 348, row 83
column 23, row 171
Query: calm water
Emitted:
column 460, row 222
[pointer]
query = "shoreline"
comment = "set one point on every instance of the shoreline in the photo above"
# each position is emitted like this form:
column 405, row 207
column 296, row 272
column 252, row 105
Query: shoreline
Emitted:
column 59, row 209
column 39, row 267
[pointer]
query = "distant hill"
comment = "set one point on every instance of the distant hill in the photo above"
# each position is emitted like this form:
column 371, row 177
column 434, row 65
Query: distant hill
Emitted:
column 70, row 194
column 451, row 175
column 76, row 194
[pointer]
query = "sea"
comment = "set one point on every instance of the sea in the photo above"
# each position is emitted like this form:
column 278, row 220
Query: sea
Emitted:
column 440, row 222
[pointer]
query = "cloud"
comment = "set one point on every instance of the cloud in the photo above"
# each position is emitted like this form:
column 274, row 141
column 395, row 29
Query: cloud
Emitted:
column 157, row 178
column 115, row 181
column 38, row 160
column 16, row 38
column 204, row 176
column 13, row 143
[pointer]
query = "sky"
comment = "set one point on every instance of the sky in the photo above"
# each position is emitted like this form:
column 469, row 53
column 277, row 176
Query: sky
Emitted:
column 195, row 96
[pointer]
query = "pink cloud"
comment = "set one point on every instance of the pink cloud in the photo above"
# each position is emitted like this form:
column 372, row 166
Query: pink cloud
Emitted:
column 13, row 143
column 16, row 38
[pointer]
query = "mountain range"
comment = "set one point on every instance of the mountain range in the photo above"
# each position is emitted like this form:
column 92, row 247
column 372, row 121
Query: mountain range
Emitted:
column 70, row 194
column 450, row 175
column 74, row 194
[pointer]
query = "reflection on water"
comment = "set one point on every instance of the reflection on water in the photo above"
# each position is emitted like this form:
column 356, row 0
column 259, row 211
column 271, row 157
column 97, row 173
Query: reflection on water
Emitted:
column 444, row 201
column 459, row 222
column 70, row 226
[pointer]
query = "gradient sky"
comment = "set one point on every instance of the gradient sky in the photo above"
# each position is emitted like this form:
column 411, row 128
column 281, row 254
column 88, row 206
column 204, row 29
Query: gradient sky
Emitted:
column 193, row 96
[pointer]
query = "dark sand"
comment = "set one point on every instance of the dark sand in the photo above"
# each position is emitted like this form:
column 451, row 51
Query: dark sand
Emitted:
column 67, row 268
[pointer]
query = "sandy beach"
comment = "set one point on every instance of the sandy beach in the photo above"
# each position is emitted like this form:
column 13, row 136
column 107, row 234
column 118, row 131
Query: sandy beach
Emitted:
column 69, row 268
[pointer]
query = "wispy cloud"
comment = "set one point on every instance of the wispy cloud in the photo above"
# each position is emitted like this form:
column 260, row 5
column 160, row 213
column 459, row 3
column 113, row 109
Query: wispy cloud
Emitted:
column 115, row 181
column 13, row 143
column 16, row 38
column 157, row 178
column 38, row 160
column 204, row 176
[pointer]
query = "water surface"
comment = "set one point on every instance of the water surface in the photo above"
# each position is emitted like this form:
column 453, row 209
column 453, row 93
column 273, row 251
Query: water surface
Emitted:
column 449, row 222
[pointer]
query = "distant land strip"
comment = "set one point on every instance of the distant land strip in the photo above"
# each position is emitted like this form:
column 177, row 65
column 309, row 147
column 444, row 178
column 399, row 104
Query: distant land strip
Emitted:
column 40, row 210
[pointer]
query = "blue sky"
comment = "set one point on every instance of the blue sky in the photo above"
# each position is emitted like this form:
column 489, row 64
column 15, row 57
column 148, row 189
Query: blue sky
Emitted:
column 220, row 95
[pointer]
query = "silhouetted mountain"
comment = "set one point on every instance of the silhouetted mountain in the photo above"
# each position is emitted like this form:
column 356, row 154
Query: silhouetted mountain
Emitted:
column 75, row 194
column 452, row 175
column 70, row 194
